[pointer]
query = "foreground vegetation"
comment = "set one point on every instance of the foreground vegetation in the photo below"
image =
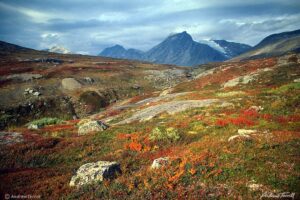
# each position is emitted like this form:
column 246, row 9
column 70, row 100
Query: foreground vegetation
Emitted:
column 204, row 163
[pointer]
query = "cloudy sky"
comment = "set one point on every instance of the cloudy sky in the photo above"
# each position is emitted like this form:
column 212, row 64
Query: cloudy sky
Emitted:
column 88, row 26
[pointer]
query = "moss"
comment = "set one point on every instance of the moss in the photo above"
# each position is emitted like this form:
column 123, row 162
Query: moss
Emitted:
column 162, row 133
column 45, row 121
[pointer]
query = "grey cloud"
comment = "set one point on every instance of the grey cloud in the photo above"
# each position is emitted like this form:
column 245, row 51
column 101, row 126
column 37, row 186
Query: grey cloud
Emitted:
column 91, row 25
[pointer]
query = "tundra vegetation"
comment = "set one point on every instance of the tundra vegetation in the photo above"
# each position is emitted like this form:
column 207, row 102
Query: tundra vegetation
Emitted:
column 239, row 147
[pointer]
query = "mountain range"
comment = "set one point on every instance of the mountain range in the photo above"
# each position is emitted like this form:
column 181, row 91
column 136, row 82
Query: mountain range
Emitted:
column 181, row 49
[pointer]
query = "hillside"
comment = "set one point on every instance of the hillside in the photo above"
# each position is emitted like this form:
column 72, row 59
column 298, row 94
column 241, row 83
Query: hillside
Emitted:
column 37, row 84
column 230, row 132
column 274, row 45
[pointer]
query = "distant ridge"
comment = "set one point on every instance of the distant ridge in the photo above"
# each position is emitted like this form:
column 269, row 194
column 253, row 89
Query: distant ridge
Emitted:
column 274, row 45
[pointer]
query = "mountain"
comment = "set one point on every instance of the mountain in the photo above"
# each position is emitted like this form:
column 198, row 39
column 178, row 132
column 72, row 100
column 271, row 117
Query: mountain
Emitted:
column 232, row 49
column 178, row 49
column 59, row 49
column 181, row 49
column 119, row 51
column 274, row 45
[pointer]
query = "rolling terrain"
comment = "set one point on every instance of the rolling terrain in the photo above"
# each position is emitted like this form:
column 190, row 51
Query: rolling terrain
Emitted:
column 227, row 130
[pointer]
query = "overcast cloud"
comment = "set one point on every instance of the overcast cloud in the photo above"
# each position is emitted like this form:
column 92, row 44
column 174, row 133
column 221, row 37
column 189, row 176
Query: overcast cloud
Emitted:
column 88, row 26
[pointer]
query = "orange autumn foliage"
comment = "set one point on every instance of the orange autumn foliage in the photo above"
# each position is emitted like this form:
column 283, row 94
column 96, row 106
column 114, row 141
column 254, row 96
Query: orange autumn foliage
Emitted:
column 135, row 146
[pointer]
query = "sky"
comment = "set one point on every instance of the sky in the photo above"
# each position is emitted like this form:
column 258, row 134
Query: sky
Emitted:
column 89, row 26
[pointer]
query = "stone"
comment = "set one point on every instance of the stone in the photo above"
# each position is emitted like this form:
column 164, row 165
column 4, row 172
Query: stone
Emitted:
column 297, row 80
column 160, row 162
column 33, row 127
column 88, row 80
column 95, row 172
column 36, row 94
column 257, row 108
column 165, row 92
column 245, row 132
column 70, row 84
column 239, row 137
column 91, row 126
column 136, row 87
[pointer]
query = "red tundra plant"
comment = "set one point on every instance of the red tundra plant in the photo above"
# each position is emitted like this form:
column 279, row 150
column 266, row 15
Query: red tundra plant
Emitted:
column 241, row 121
column 222, row 122
column 251, row 113
column 238, row 121
column 267, row 117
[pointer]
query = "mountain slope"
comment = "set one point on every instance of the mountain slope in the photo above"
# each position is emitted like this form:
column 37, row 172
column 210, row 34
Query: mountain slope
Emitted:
column 274, row 45
column 6, row 48
column 181, row 49
column 232, row 49
column 119, row 51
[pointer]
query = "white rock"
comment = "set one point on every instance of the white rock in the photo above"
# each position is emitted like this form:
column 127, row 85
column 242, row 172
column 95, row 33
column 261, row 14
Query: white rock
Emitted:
column 257, row 108
column 93, row 172
column 297, row 80
column 159, row 162
column 245, row 132
column 239, row 137
column 33, row 126
column 36, row 94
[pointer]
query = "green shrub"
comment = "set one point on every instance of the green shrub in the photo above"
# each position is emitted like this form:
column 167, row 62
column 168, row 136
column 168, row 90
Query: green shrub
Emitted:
column 162, row 133
column 45, row 121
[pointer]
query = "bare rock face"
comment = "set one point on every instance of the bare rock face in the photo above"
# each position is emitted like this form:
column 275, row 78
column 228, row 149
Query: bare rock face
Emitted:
column 91, row 126
column 70, row 84
column 94, row 172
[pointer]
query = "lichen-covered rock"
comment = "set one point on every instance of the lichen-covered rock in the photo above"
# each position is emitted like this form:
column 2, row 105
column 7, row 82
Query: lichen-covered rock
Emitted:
column 91, row 126
column 160, row 162
column 93, row 172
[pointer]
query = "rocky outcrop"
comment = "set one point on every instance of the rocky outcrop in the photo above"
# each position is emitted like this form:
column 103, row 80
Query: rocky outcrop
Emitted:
column 91, row 126
column 169, row 107
column 95, row 172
